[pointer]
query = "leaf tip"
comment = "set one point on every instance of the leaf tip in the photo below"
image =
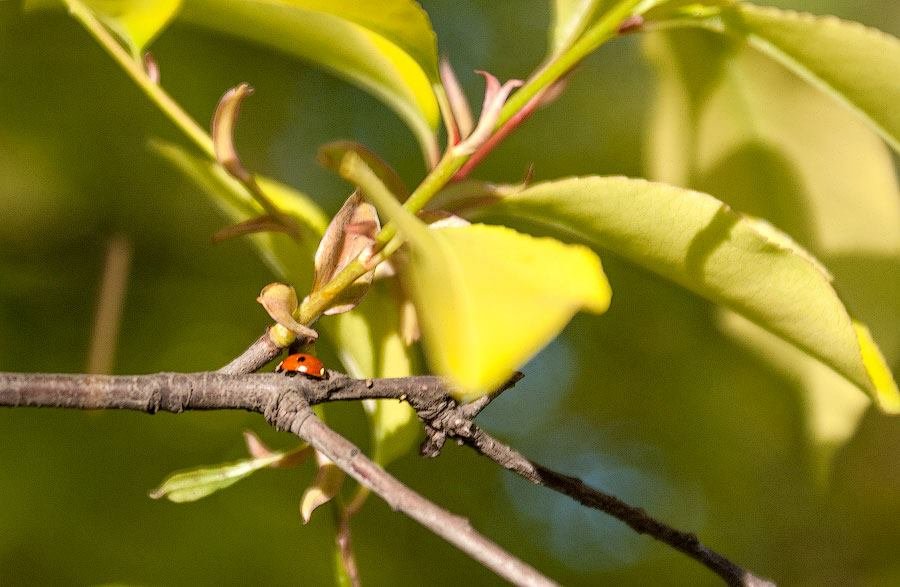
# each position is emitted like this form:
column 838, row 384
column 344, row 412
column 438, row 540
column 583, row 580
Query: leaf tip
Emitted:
column 886, row 395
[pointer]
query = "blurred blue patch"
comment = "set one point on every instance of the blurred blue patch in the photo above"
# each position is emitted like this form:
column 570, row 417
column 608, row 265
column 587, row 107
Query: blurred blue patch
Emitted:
column 585, row 539
column 517, row 412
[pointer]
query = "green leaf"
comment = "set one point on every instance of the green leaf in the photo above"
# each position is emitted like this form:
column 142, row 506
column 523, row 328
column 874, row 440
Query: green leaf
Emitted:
column 833, row 405
column 387, row 48
column 488, row 297
column 194, row 484
column 655, row 10
column 288, row 258
column 135, row 22
column 371, row 346
column 570, row 19
column 697, row 241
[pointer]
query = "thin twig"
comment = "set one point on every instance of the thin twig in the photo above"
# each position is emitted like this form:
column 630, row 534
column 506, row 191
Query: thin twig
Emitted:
column 260, row 352
column 635, row 517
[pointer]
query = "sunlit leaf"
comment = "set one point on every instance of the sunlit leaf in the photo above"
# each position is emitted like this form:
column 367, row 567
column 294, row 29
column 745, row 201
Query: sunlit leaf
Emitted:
column 194, row 484
column 744, row 128
column 137, row 22
column 669, row 9
column 699, row 242
column 488, row 297
column 854, row 64
column 387, row 48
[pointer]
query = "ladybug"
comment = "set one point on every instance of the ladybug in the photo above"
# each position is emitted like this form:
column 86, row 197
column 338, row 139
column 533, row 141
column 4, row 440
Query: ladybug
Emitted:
column 302, row 363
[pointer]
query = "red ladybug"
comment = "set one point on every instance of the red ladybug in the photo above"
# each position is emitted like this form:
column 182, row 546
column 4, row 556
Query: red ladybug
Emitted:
column 301, row 363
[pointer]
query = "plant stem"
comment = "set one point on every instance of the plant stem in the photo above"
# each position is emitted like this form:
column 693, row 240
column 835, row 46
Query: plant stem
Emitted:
column 136, row 72
column 559, row 65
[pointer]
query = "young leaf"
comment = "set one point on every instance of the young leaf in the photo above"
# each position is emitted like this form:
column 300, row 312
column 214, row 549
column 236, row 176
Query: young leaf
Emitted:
column 194, row 484
column 351, row 232
column 331, row 154
column 280, row 302
column 385, row 47
column 326, row 485
column 488, row 297
column 700, row 243
column 290, row 260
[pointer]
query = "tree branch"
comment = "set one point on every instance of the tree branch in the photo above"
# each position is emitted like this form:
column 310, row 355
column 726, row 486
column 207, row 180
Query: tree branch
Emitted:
column 285, row 402
column 285, row 407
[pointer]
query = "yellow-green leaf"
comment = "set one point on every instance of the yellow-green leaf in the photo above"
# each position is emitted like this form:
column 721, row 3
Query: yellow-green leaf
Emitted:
column 699, row 242
column 488, row 297
column 387, row 48
column 194, row 484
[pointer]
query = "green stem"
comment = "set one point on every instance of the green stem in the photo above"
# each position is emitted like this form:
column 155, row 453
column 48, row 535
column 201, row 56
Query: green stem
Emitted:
column 555, row 69
column 136, row 72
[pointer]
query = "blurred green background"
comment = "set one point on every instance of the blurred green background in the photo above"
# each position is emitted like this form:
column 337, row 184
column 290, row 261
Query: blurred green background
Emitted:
column 650, row 401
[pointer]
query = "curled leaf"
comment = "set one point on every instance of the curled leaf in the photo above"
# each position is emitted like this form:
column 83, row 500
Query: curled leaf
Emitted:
column 331, row 154
column 223, row 124
column 351, row 232
column 151, row 67
column 280, row 301
column 255, row 446
column 457, row 112
column 326, row 485
column 264, row 223
column 495, row 97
